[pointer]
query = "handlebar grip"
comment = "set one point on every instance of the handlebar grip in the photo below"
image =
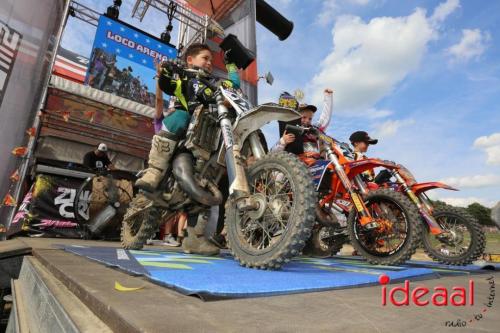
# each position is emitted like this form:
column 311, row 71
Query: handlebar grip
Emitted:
column 295, row 130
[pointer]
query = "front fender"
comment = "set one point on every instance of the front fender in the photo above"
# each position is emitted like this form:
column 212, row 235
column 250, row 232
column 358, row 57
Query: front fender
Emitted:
column 259, row 116
column 356, row 167
column 424, row 187
column 254, row 119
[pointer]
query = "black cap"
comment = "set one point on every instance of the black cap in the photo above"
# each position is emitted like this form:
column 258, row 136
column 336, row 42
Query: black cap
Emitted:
column 303, row 107
column 362, row 136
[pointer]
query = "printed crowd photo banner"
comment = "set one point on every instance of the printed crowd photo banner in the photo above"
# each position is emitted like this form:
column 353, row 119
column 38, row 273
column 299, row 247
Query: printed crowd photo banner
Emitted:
column 122, row 61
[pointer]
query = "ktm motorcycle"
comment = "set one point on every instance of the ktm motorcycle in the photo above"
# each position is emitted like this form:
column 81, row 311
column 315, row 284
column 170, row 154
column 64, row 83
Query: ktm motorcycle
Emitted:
column 383, row 225
column 450, row 235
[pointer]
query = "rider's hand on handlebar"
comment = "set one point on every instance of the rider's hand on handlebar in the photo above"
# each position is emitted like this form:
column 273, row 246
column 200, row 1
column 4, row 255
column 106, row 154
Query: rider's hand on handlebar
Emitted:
column 287, row 138
column 171, row 66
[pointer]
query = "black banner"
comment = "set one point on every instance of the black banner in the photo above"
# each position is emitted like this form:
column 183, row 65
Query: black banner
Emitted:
column 54, row 198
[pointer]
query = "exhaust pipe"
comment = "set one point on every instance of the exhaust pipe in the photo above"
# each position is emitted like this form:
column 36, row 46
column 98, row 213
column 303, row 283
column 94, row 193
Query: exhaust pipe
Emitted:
column 183, row 172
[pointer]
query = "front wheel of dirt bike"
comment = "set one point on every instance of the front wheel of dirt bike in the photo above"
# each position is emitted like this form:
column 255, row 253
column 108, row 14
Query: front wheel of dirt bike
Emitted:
column 397, row 236
column 463, row 242
column 324, row 242
column 270, row 236
column 139, row 223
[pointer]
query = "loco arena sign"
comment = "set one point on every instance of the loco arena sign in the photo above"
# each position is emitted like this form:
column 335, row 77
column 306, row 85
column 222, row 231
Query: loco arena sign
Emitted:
column 135, row 46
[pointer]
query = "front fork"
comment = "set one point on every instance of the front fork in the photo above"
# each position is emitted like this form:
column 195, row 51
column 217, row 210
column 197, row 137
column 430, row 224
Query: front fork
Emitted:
column 365, row 218
column 238, row 184
column 423, row 206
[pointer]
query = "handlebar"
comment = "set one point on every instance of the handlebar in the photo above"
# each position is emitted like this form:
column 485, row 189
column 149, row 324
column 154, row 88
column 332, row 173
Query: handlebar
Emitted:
column 301, row 130
column 198, row 73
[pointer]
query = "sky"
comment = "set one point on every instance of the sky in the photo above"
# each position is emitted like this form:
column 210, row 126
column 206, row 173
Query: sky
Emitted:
column 421, row 76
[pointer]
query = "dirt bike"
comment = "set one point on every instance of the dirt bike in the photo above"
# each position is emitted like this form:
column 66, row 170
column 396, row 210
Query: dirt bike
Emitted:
column 101, row 201
column 383, row 226
column 270, row 209
column 451, row 235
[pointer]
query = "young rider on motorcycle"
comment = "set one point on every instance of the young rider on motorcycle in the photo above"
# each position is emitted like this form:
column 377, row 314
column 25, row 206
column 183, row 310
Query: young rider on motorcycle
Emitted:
column 190, row 93
column 360, row 140
column 310, row 145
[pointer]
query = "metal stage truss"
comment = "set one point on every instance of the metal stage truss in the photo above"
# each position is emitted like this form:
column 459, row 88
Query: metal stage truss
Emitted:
column 192, row 26
column 84, row 13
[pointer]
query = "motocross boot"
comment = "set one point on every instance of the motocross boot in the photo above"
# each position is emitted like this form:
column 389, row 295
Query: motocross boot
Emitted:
column 195, row 242
column 162, row 149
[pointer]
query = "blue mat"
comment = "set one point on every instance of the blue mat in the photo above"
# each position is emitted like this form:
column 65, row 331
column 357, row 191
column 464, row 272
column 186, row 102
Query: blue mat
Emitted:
column 477, row 267
column 441, row 269
column 220, row 277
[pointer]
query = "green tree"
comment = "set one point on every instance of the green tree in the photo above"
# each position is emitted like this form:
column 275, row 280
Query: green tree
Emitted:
column 481, row 213
column 439, row 203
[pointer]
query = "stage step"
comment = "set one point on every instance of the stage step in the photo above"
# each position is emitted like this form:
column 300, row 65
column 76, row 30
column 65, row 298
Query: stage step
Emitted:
column 41, row 303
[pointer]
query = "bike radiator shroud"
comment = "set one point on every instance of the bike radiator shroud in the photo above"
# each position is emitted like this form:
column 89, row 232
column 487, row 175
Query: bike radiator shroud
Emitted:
column 203, row 135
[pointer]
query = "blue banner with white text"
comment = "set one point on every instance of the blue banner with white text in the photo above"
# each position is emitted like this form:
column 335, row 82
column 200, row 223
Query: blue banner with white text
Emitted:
column 122, row 61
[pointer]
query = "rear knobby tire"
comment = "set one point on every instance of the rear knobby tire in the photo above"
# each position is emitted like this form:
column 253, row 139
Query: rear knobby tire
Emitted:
column 316, row 247
column 139, row 223
column 410, row 244
column 299, row 223
column 478, row 240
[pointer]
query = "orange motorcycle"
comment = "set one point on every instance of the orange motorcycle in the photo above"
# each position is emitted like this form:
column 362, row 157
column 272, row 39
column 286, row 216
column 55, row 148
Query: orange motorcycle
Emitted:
column 383, row 225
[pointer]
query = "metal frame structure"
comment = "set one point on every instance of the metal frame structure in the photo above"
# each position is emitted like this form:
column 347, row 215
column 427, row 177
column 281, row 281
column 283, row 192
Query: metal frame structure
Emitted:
column 84, row 13
column 192, row 27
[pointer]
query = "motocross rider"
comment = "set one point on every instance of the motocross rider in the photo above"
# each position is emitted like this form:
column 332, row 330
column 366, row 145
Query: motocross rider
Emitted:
column 189, row 93
column 310, row 143
column 360, row 140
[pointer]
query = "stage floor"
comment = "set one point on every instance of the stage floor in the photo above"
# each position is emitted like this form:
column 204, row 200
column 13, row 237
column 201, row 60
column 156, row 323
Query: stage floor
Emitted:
column 155, row 308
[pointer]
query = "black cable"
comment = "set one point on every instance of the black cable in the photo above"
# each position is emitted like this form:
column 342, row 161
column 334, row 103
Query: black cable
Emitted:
column 213, row 8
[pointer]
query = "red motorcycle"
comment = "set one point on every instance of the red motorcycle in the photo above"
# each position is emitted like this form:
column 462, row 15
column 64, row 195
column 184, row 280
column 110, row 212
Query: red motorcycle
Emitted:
column 450, row 235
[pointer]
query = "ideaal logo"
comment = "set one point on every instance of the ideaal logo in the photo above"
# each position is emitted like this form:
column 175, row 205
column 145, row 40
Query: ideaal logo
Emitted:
column 439, row 296
column 422, row 296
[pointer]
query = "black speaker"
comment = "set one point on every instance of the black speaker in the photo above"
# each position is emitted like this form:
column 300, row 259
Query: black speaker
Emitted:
column 272, row 20
column 236, row 53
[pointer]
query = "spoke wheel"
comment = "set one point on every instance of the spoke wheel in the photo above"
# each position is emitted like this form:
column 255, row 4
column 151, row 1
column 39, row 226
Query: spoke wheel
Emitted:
column 139, row 223
column 274, row 233
column 463, row 242
column 324, row 242
column 398, row 234
column 88, row 203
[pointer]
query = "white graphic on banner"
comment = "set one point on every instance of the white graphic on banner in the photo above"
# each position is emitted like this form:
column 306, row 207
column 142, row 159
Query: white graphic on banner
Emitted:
column 66, row 201
column 9, row 44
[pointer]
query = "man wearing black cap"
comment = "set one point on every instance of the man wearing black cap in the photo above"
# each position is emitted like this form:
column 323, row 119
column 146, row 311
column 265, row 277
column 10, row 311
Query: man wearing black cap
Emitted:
column 360, row 140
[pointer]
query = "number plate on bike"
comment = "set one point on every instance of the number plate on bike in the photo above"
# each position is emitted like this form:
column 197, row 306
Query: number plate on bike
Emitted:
column 326, row 138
